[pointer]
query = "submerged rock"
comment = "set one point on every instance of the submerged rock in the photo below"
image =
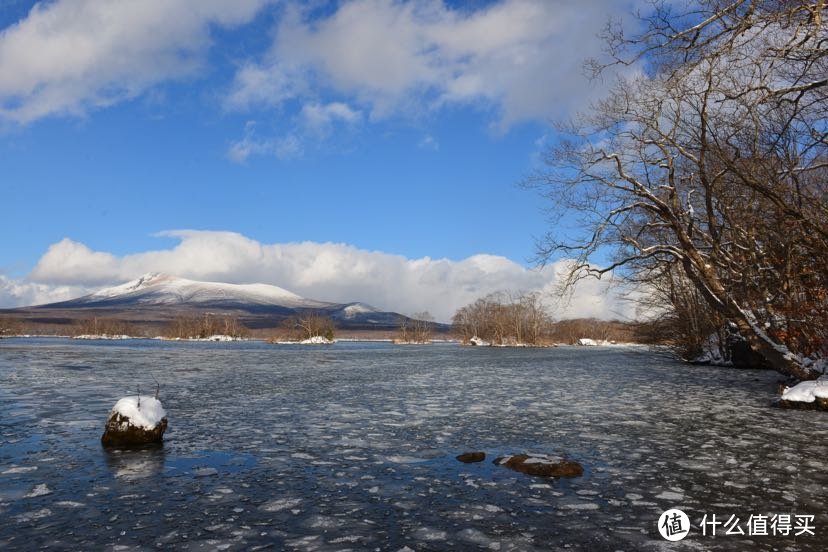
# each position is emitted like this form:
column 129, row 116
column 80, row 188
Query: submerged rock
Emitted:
column 541, row 465
column 471, row 457
column 135, row 421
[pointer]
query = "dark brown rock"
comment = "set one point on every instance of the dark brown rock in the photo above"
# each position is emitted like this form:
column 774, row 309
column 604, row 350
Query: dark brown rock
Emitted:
column 471, row 457
column 541, row 466
column 818, row 404
column 120, row 432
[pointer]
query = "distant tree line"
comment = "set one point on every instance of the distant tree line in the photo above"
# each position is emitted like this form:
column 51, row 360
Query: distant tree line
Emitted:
column 504, row 318
column 203, row 326
column 102, row 326
column 9, row 327
column 308, row 325
column 512, row 318
column 417, row 328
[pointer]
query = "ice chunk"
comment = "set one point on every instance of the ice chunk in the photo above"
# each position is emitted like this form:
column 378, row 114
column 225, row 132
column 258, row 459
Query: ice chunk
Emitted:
column 39, row 490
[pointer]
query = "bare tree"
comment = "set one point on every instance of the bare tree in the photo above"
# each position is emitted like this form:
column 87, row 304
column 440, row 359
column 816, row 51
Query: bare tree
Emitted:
column 712, row 161
column 422, row 325
column 310, row 324
column 504, row 318
column 199, row 327
column 9, row 327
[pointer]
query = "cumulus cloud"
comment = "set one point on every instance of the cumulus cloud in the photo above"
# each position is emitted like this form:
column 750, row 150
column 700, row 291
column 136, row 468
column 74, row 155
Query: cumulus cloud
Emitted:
column 15, row 293
column 69, row 56
column 523, row 58
column 326, row 271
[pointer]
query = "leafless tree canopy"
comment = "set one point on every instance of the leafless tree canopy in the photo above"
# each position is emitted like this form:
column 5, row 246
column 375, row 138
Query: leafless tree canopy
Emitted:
column 309, row 325
column 416, row 329
column 199, row 327
column 504, row 319
column 712, row 159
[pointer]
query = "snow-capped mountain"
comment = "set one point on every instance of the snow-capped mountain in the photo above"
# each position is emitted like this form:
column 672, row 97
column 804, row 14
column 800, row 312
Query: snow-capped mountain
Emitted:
column 161, row 296
column 162, row 289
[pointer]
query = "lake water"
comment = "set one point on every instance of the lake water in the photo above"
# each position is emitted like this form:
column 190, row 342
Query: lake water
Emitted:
column 352, row 446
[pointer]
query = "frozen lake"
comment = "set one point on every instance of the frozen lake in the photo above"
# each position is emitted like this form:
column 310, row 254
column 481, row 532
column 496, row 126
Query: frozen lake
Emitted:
column 352, row 446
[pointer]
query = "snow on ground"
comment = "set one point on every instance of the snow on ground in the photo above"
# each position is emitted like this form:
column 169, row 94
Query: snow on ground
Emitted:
column 101, row 336
column 316, row 340
column 143, row 411
column 217, row 337
column 587, row 342
column 807, row 391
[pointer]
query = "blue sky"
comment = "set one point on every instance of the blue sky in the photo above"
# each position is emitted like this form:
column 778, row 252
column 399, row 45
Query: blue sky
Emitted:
column 399, row 128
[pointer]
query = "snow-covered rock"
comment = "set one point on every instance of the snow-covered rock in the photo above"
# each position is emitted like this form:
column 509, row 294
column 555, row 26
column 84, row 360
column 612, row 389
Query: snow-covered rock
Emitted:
column 806, row 395
column 136, row 420
column 587, row 342
column 479, row 342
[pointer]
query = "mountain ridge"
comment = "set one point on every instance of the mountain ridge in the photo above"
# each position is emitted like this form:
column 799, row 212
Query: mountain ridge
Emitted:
column 157, row 298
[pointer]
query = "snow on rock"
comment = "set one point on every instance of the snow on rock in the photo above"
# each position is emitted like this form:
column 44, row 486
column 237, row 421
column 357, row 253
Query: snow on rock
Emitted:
column 317, row 340
column 479, row 342
column 807, row 391
column 136, row 420
column 143, row 411
column 542, row 465
column 587, row 342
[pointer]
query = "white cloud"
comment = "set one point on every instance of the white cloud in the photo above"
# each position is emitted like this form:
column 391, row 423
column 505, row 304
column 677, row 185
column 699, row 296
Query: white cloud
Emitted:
column 326, row 271
column 285, row 147
column 69, row 56
column 522, row 57
column 320, row 118
column 16, row 293
column 313, row 125
column 428, row 142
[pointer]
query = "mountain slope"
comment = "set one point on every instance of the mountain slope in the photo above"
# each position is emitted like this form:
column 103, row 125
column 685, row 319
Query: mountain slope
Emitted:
column 162, row 289
column 157, row 298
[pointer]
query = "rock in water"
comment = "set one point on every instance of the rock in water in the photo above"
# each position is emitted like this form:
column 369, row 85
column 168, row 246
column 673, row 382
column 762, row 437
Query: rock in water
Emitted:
column 806, row 395
column 135, row 421
column 541, row 465
column 471, row 457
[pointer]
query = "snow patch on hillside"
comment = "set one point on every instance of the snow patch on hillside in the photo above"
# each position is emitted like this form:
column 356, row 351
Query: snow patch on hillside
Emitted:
column 165, row 289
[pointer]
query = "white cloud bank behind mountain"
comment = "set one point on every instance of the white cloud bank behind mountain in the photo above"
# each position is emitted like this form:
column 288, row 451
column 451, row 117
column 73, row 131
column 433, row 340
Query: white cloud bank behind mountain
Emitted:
column 325, row 271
